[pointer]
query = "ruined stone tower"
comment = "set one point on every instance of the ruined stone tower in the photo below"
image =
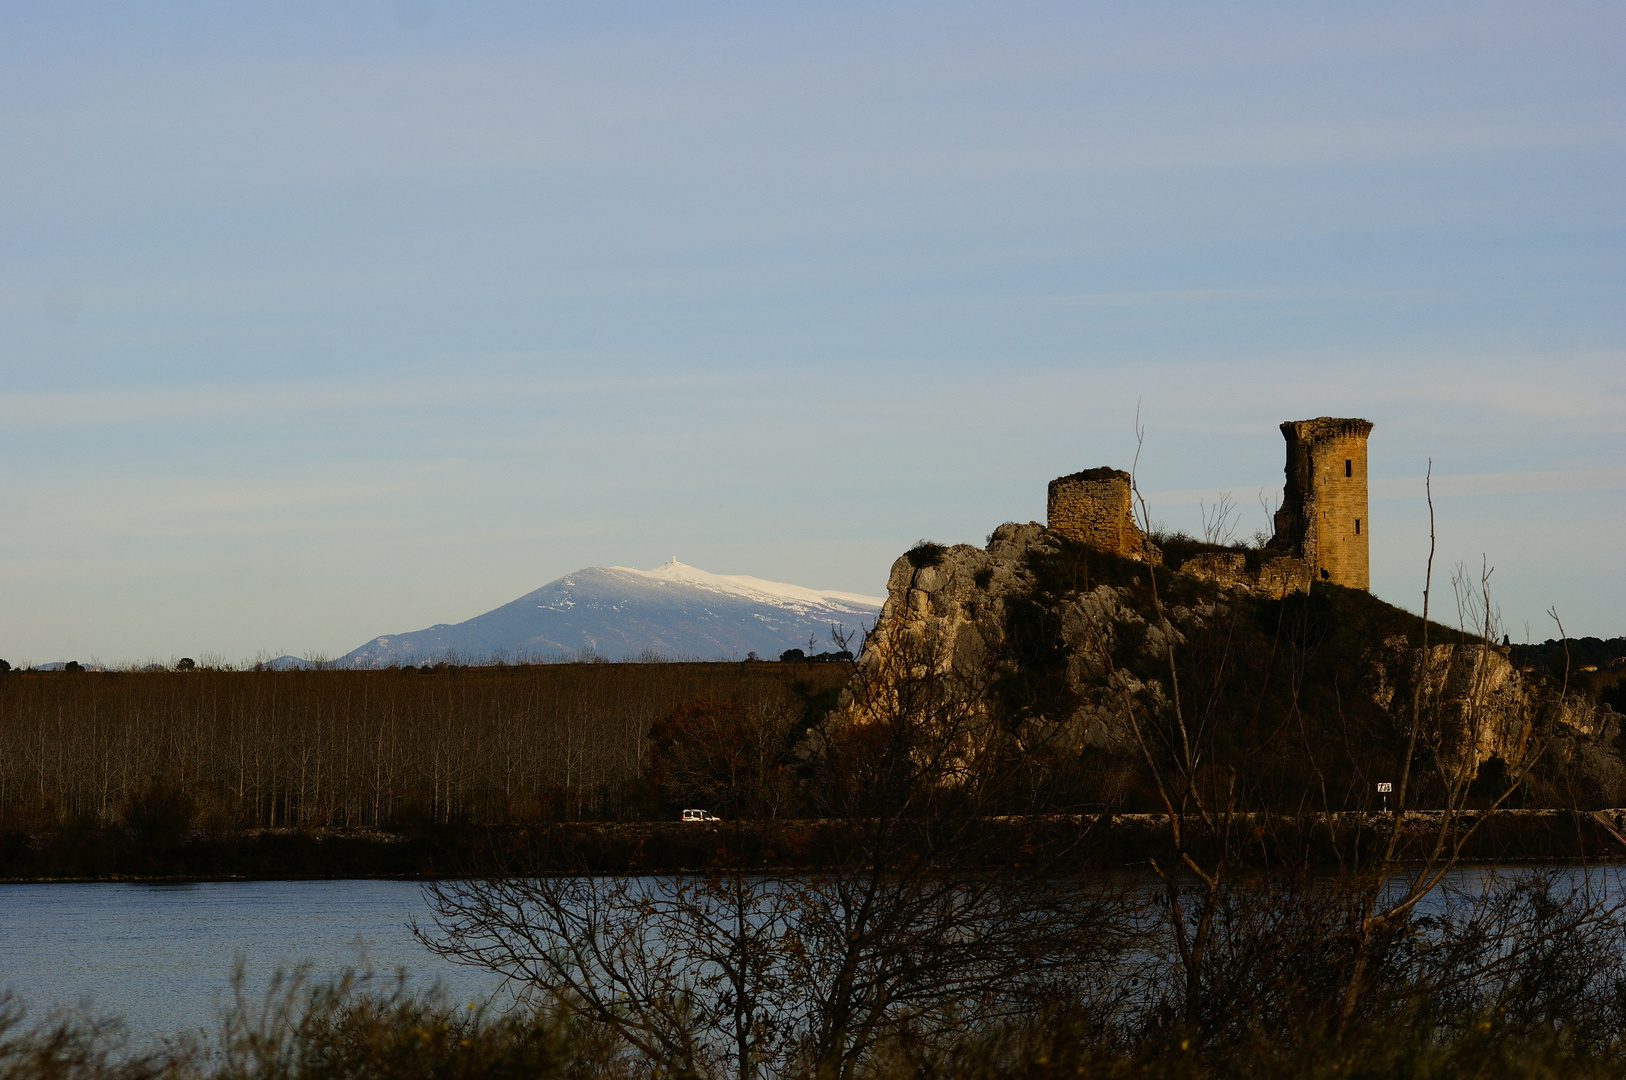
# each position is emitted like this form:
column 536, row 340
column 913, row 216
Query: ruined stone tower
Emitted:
column 1094, row 507
column 1323, row 516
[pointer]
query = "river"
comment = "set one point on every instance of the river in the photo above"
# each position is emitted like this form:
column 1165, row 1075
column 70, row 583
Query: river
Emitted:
column 161, row 956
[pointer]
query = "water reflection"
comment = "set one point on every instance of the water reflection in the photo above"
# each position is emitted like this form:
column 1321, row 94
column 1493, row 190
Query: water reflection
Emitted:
column 161, row 955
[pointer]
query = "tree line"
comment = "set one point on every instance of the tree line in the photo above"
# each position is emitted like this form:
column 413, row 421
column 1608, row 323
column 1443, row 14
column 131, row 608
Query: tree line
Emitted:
column 355, row 748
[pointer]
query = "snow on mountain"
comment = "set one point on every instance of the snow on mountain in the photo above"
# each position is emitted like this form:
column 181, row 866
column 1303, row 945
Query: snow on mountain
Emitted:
column 793, row 597
column 674, row 611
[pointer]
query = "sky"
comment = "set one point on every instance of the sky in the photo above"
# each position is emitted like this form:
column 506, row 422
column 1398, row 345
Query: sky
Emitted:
column 323, row 321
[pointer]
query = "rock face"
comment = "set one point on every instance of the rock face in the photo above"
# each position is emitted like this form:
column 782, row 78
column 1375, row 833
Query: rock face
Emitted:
column 1069, row 664
column 951, row 613
column 1095, row 507
column 1474, row 703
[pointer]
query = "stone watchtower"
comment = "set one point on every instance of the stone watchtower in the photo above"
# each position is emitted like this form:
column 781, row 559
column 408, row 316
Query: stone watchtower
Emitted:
column 1323, row 516
column 1095, row 507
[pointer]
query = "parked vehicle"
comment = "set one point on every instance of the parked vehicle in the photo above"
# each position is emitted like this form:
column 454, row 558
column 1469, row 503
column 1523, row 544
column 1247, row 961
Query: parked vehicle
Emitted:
column 699, row 815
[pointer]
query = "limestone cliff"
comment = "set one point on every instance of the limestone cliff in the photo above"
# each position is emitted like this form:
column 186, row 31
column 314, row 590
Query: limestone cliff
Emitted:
column 1061, row 643
column 972, row 614
column 1474, row 703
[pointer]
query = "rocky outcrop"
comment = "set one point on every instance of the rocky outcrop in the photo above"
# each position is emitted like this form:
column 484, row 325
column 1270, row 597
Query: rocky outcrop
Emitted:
column 949, row 610
column 1068, row 662
column 1473, row 702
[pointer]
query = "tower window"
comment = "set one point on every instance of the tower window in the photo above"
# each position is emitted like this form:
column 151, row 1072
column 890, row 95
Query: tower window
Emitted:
column 1357, row 526
column 1348, row 469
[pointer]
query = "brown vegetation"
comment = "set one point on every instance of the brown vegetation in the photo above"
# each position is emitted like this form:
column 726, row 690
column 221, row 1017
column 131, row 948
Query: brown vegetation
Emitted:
column 159, row 752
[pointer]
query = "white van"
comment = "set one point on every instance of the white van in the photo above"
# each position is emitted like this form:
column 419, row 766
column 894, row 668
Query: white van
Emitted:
column 699, row 815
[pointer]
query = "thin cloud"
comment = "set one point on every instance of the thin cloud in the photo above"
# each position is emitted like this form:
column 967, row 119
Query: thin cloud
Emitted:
column 121, row 408
column 1606, row 478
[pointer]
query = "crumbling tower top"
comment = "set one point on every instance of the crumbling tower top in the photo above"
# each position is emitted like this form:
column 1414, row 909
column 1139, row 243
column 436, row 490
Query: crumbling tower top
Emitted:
column 1323, row 518
column 1096, row 507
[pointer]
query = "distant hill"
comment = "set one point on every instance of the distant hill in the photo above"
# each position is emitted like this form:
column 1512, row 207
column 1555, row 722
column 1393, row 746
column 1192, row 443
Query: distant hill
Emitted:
column 673, row 612
column 288, row 662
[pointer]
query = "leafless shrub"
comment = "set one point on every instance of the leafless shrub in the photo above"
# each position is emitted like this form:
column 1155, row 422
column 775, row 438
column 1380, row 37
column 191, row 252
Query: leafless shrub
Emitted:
column 918, row 922
column 1219, row 520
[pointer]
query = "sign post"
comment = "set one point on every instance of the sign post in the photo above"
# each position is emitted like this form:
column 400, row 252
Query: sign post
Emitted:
column 1383, row 790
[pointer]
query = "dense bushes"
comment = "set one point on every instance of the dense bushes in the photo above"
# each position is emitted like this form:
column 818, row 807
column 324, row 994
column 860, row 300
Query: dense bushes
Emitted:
column 925, row 553
column 1556, row 656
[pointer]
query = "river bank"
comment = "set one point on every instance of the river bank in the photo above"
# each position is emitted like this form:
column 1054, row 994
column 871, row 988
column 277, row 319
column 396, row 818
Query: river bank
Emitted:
column 605, row 847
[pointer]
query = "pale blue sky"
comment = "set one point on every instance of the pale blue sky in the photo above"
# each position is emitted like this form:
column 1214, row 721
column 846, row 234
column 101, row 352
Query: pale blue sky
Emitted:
column 323, row 321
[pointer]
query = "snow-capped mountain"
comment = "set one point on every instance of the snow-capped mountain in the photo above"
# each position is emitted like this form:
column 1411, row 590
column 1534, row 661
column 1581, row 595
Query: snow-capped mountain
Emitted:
column 674, row 611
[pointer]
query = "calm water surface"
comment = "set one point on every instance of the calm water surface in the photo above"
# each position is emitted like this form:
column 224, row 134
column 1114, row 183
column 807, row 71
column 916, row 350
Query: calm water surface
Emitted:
column 161, row 955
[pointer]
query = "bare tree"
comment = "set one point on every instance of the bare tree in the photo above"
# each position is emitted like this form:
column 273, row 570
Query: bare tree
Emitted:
column 1390, row 891
column 918, row 914
column 1219, row 520
column 1226, row 922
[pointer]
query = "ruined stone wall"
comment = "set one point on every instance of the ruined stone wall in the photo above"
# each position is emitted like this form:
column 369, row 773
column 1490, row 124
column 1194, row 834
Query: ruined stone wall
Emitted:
column 1288, row 574
column 1275, row 577
column 1323, row 518
column 1094, row 507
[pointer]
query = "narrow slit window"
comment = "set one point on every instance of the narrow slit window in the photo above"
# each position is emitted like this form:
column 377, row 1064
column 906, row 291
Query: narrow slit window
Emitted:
column 1348, row 468
column 1357, row 526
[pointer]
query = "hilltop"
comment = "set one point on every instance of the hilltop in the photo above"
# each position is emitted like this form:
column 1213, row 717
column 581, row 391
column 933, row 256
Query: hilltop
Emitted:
column 1303, row 697
column 673, row 612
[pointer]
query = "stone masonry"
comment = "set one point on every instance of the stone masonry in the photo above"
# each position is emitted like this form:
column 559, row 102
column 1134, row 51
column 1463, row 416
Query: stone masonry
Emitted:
column 1094, row 507
column 1323, row 519
column 1275, row 577
column 1322, row 529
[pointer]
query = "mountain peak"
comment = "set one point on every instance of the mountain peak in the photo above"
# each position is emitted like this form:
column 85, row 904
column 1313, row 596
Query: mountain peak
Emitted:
column 675, row 611
column 754, row 588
